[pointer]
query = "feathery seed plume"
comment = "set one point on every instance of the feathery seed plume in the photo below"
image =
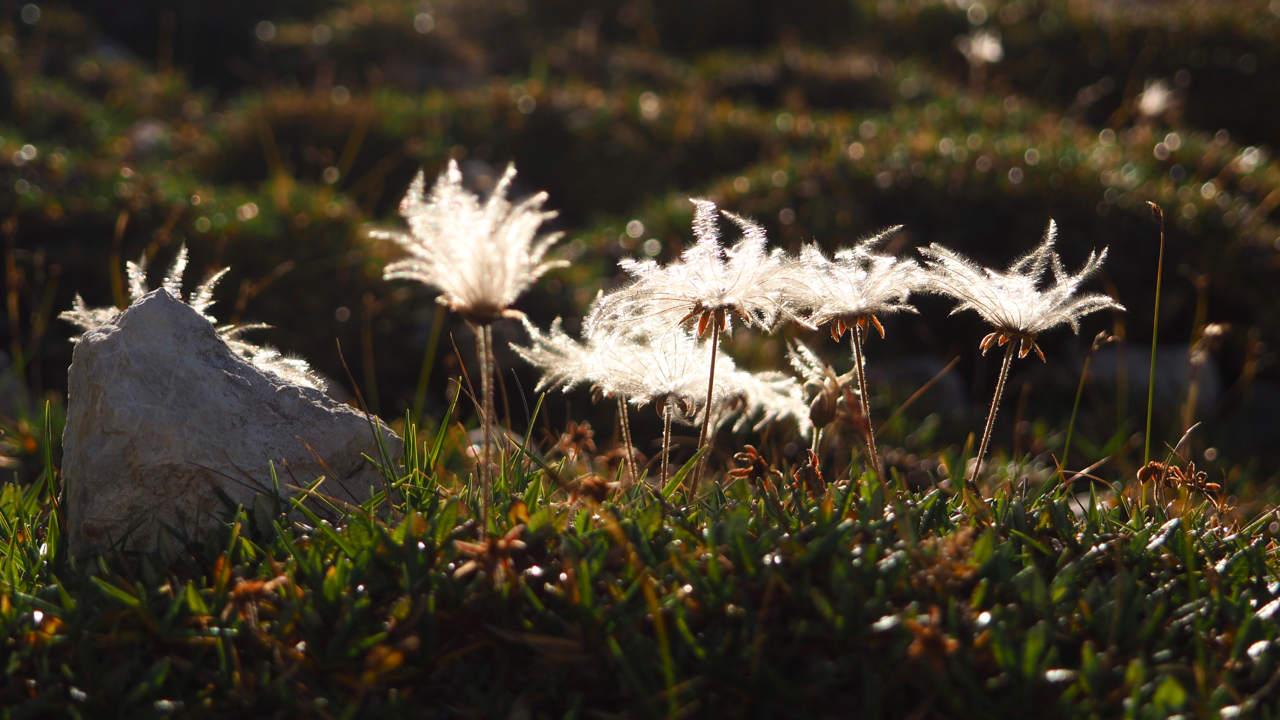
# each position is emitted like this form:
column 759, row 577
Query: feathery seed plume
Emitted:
column 1013, row 301
column 1015, row 305
column 480, row 257
column 767, row 397
column 291, row 369
column 981, row 47
column 709, row 284
column 858, row 285
column 850, row 293
column 660, row 369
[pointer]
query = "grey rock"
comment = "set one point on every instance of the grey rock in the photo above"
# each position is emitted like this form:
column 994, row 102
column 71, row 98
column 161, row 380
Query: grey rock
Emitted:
column 161, row 412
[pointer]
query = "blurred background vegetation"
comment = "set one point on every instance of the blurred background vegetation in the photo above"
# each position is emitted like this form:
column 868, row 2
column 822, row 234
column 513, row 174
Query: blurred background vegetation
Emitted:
column 270, row 135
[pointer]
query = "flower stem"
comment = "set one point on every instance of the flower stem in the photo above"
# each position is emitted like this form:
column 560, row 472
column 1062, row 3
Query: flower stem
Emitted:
column 1155, row 324
column 484, row 350
column 858, row 364
column 991, row 417
column 626, row 437
column 706, row 416
column 666, row 440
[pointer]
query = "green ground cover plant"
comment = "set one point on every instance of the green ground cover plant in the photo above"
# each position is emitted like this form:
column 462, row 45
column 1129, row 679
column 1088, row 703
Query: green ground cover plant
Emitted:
column 776, row 595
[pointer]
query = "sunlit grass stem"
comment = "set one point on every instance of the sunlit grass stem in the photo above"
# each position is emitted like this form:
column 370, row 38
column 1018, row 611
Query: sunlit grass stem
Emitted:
column 1158, row 214
column 1098, row 342
column 1075, row 407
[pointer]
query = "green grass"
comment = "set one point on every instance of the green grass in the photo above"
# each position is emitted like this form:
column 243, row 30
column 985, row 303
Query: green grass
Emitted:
column 746, row 602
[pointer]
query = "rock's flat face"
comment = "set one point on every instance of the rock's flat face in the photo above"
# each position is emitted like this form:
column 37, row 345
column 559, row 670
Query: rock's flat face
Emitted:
column 161, row 412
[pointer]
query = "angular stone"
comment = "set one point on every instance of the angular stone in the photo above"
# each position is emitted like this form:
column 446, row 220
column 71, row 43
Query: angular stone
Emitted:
column 160, row 412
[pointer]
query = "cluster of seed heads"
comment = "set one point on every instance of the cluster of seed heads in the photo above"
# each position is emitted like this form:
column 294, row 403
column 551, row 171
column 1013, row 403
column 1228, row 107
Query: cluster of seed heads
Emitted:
column 655, row 340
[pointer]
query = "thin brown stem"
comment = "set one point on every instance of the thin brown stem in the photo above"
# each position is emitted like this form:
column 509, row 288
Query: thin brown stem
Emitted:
column 1158, row 214
column 706, row 415
column 991, row 417
column 858, row 364
column 625, row 419
column 484, row 350
column 666, row 440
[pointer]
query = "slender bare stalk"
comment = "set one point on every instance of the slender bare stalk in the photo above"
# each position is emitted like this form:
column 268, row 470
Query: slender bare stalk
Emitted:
column 991, row 417
column 858, row 364
column 666, row 440
column 484, row 351
column 706, row 414
column 625, row 419
column 1158, row 214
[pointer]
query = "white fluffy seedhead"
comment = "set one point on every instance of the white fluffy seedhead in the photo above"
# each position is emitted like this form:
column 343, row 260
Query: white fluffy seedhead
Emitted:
column 480, row 257
column 765, row 398
column 709, row 284
column 670, row 368
column 565, row 363
column 293, row 370
column 858, row 284
column 813, row 371
column 1013, row 302
column 666, row 369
